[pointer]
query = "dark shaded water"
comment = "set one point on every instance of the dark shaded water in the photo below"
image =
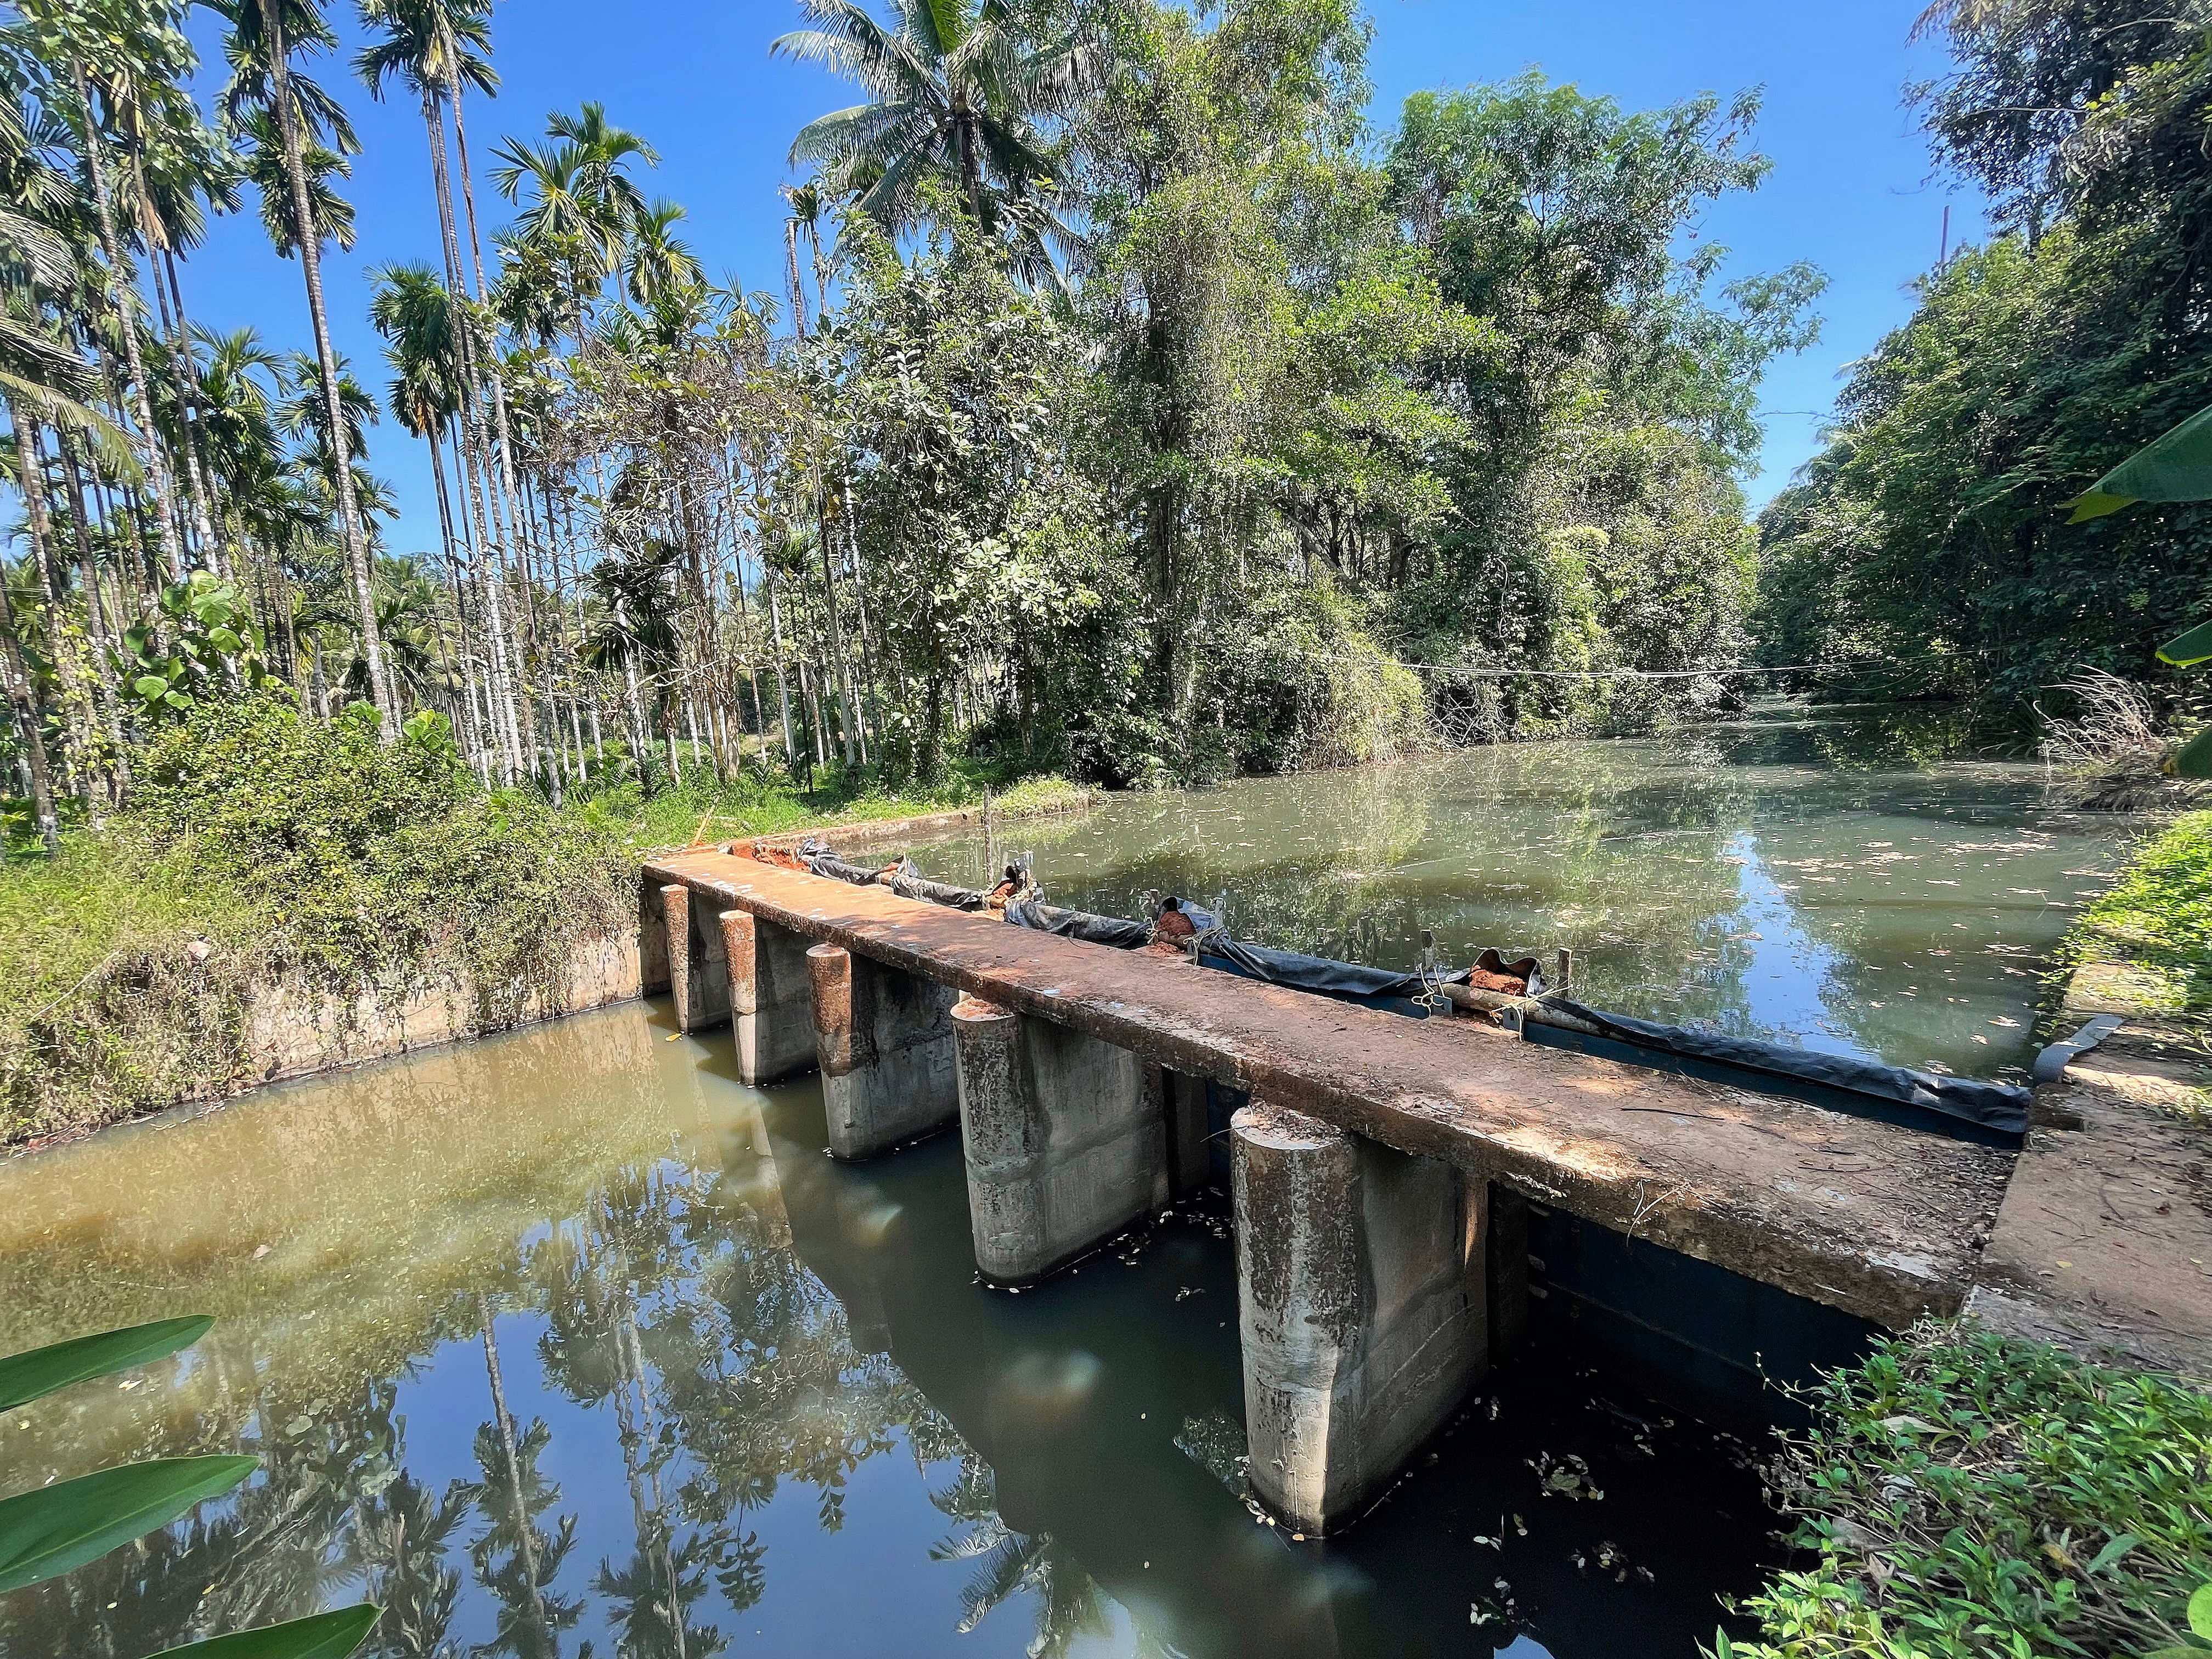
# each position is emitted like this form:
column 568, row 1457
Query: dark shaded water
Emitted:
column 1822, row 878
column 753, row 1400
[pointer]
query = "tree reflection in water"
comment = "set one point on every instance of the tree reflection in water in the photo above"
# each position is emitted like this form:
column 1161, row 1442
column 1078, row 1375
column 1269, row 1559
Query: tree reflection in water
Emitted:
column 589, row 1287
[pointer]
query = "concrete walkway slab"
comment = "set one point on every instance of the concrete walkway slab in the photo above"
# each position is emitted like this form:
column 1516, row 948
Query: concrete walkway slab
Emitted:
column 2104, row 1243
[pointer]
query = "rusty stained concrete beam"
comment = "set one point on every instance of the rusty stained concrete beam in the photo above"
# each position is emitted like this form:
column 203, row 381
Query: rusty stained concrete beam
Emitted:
column 1882, row 1222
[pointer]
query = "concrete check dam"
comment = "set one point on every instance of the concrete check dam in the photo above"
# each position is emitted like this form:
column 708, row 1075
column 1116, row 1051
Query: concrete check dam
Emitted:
column 1406, row 1191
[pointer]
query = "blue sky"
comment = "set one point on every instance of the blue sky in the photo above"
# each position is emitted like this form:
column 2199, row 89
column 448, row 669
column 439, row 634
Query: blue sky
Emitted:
column 1851, row 189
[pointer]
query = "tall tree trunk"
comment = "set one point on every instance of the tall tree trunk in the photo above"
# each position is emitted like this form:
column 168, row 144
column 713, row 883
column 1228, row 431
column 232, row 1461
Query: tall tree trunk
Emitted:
column 498, row 681
column 118, row 285
column 471, row 731
column 477, row 478
column 88, row 574
column 308, row 235
column 836, row 629
column 782, row 685
column 27, row 721
column 61, row 650
column 156, row 236
column 192, row 415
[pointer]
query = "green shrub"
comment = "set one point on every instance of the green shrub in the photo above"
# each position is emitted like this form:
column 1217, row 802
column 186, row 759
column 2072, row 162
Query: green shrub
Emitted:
column 1970, row 1495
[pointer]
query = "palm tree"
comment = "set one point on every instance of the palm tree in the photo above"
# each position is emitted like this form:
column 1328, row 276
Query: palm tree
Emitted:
column 263, row 34
column 657, row 265
column 583, row 203
column 956, row 90
column 132, row 59
column 424, row 326
column 437, row 47
column 808, row 204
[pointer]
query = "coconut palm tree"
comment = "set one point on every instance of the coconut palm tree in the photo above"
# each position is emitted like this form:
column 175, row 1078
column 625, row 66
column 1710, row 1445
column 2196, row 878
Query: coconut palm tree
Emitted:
column 956, row 91
column 263, row 34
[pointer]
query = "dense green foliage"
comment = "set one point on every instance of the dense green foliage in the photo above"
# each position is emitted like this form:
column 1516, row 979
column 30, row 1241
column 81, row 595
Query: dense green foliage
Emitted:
column 1147, row 407
column 1969, row 1496
column 1929, row 534
column 2158, row 916
column 261, row 848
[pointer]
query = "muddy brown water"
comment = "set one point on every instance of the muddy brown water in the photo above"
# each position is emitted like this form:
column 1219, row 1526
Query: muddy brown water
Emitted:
column 567, row 1343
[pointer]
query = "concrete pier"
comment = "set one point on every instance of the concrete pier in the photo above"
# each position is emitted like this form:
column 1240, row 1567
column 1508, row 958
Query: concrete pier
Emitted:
column 1361, row 1306
column 883, row 1042
column 770, row 1001
column 1066, row 1138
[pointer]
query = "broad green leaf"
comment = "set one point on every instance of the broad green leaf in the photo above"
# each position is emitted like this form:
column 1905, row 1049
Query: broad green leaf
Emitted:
column 2177, row 467
column 2192, row 647
column 2096, row 504
column 324, row 1636
column 2200, row 1612
column 52, row 1529
column 150, row 685
column 2195, row 760
column 2112, row 1552
column 27, row 1377
column 2177, row 1653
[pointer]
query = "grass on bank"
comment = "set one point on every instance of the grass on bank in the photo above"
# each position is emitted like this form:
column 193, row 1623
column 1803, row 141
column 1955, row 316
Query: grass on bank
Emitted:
column 261, row 845
column 1968, row 1495
column 2159, row 916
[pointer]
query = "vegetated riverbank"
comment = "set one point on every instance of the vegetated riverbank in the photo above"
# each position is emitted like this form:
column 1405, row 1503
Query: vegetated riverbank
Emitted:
column 282, row 895
column 2156, row 921
column 1970, row 1495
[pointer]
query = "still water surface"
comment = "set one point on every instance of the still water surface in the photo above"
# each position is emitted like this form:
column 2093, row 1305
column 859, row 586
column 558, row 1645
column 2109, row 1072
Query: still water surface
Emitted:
column 1823, row 877
column 567, row 1343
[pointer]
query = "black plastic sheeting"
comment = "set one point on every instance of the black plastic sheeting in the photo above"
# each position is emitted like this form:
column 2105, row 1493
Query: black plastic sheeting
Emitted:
column 1080, row 924
column 936, row 892
column 1966, row 1108
column 1319, row 974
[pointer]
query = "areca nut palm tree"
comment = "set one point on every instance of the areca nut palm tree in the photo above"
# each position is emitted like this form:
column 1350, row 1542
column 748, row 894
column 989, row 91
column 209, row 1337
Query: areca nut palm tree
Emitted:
column 263, row 34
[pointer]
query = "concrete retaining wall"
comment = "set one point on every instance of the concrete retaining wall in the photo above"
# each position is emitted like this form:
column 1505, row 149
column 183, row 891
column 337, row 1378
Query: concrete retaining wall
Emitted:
column 294, row 1030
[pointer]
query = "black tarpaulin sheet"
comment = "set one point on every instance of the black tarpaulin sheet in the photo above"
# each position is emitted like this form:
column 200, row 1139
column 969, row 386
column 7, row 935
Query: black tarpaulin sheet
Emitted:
column 1967, row 1108
column 823, row 862
column 1343, row 979
column 1080, row 924
column 936, row 892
